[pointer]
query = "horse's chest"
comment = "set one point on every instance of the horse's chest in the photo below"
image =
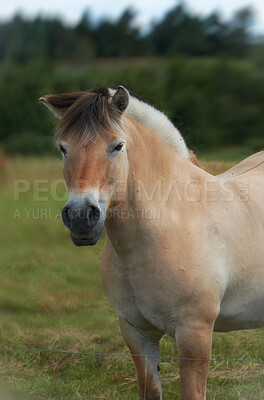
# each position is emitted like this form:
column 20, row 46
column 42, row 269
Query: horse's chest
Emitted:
column 130, row 298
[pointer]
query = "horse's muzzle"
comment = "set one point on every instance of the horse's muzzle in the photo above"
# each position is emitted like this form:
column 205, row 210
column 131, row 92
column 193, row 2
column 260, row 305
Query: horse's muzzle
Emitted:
column 84, row 240
column 85, row 223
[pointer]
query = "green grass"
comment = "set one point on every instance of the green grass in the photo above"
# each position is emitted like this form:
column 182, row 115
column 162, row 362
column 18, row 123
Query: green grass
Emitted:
column 51, row 297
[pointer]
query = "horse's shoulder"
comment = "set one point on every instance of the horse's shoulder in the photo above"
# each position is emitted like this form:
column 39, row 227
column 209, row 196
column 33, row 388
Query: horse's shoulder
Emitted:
column 249, row 164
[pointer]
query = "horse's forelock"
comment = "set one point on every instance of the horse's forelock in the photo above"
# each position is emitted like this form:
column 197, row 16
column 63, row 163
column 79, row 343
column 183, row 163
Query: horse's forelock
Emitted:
column 91, row 114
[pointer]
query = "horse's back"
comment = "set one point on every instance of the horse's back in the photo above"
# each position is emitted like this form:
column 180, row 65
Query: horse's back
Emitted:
column 254, row 162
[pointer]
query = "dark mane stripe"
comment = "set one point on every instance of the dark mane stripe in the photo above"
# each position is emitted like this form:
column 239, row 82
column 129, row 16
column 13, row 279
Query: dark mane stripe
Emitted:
column 137, row 96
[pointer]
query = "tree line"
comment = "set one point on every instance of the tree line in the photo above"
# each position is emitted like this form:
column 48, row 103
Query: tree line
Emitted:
column 214, row 102
column 178, row 32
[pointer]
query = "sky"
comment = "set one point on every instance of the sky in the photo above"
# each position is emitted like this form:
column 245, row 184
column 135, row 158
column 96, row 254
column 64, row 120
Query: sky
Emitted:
column 148, row 10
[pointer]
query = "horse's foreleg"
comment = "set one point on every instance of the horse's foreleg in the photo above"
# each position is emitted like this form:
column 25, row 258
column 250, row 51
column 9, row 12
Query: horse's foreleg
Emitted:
column 194, row 341
column 148, row 368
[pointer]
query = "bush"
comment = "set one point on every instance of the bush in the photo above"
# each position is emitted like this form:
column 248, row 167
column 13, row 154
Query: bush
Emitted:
column 30, row 143
column 255, row 144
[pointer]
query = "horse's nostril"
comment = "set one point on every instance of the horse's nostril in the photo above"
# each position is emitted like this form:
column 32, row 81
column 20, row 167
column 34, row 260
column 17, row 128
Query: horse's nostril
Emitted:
column 93, row 215
column 80, row 219
column 66, row 216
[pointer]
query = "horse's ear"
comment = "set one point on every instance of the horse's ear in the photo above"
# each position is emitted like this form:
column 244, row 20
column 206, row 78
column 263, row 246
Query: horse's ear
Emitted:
column 59, row 103
column 120, row 99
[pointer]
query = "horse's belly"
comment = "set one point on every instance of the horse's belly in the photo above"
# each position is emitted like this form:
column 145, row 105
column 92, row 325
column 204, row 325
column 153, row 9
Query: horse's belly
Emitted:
column 238, row 313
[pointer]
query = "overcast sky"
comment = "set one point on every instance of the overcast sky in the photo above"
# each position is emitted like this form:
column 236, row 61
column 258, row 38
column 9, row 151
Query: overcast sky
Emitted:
column 147, row 10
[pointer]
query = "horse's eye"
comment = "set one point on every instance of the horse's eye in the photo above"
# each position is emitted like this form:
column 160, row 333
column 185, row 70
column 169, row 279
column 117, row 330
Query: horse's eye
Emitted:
column 62, row 149
column 119, row 147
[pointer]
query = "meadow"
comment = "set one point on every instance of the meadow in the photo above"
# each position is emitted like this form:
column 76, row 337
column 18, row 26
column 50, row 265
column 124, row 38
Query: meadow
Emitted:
column 51, row 297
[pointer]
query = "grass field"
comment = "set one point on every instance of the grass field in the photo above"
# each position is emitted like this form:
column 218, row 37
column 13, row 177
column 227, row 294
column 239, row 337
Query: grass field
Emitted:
column 51, row 297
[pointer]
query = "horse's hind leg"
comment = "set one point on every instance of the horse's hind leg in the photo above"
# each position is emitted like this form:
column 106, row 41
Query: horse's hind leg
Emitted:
column 194, row 341
column 148, row 368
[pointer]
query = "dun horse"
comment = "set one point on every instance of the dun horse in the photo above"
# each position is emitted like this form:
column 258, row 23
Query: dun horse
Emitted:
column 184, row 250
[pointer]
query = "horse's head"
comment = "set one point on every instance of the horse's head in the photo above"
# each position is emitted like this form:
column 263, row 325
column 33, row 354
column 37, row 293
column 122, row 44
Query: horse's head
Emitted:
column 92, row 141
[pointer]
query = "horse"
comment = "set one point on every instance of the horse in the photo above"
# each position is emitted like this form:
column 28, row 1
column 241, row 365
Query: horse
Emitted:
column 183, row 253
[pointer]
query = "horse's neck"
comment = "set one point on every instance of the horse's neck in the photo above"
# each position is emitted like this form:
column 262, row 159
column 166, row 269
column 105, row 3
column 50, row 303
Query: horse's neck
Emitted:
column 153, row 159
column 154, row 166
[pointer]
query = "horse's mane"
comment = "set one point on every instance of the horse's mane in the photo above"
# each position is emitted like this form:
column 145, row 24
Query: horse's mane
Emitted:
column 87, row 116
column 92, row 112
